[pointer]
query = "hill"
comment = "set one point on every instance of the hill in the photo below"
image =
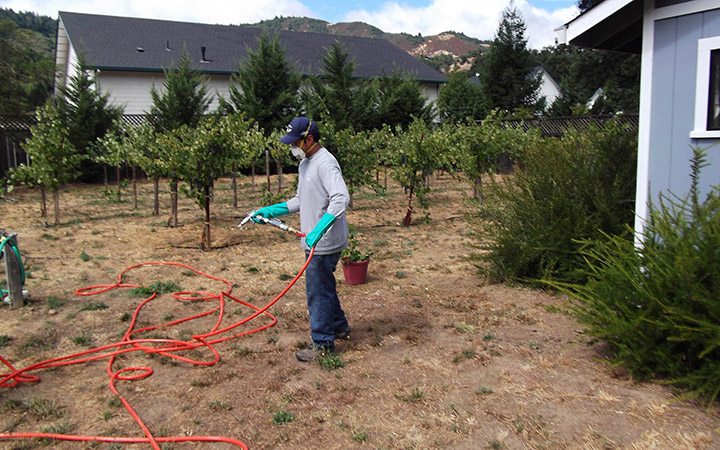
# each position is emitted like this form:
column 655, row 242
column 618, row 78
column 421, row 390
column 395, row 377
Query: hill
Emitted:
column 441, row 50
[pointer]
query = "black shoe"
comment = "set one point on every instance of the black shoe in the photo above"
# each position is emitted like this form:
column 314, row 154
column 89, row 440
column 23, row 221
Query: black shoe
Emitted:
column 312, row 353
column 343, row 335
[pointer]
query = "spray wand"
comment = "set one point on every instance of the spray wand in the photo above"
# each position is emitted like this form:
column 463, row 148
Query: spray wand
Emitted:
column 274, row 222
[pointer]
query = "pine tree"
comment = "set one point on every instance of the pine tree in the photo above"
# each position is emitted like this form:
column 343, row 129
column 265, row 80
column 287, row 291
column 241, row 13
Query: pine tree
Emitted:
column 184, row 101
column 400, row 101
column 459, row 99
column 506, row 76
column 347, row 101
column 265, row 87
column 86, row 113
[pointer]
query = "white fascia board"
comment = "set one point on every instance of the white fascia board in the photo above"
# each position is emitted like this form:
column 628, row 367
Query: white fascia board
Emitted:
column 589, row 19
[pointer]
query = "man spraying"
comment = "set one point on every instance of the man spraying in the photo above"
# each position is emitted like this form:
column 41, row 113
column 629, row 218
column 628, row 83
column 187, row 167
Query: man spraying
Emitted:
column 321, row 199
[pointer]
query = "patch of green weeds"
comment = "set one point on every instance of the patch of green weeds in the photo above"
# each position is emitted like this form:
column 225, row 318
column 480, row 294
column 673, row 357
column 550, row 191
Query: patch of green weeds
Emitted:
column 125, row 317
column 55, row 303
column 482, row 390
column 285, row 277
column 84, row 256
column 415, row 396
column 94, row 306
column 463, row 327
column 330, row 361
column 360, row 436
column 47, row 409
column 400, row 275
column 60, row 428
column 82, row 340
column 282, row 417
column 49, row 237
column 488, row 337
column 4, row 340
column 465, row 354
column 160, row 287
column 217, row 405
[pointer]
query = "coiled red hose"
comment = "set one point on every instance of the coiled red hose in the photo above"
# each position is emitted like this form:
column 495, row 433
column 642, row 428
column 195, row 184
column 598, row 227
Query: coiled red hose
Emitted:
column 165, row 347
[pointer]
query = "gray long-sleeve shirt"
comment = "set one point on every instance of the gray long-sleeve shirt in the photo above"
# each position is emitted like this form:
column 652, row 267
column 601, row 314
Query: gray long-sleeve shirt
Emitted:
column 321, row 189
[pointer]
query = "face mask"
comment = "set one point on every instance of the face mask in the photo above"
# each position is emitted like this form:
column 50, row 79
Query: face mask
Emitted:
column 297, row 152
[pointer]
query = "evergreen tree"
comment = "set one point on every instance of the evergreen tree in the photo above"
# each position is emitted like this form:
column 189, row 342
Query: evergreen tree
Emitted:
column 400, row 101
column 348, row 102
column 460, row 99
column 506, row 75
column 265, row 87
column 86, row 113
column 184, row 100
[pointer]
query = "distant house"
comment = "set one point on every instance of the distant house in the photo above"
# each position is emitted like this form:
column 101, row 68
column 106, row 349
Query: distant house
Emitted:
column 549, row 89
column 679, row 41
column 129, row 54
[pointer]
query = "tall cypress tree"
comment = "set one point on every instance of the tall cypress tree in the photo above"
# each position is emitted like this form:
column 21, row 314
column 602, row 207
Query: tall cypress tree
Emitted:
column 184, row 100
column 87, row 114
column 506, row 76
column 265, row 87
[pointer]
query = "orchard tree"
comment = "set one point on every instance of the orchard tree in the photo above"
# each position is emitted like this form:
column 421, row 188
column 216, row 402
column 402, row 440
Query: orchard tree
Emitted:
column 183, row 102
column 416, row 154
column 54, row 160
column 506, row 76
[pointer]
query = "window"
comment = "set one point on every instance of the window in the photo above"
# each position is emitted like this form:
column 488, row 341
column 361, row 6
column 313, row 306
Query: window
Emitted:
column 707, row 90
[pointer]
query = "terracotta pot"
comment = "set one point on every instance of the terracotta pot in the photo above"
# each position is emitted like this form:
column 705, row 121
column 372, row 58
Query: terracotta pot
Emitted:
column 355, row 271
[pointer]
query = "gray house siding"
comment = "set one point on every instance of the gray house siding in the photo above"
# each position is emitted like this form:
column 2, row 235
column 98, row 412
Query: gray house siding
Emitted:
column 673, row 104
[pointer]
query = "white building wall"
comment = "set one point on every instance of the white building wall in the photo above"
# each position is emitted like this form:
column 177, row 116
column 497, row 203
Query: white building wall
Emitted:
column 131, row 90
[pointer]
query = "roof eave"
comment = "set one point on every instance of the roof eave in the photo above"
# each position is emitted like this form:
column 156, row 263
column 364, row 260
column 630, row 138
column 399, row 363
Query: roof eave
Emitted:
column 614, row 25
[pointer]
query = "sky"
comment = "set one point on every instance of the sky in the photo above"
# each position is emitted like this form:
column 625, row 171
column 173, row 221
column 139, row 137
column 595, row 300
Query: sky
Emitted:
column 474, row 18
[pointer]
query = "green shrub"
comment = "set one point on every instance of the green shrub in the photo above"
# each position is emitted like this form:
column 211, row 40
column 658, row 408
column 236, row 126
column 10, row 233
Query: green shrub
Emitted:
column 564, row 191
column 657, row 305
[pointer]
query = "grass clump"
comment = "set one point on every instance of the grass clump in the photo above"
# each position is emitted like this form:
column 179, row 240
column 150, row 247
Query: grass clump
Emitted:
column 656, row 305
column 160, row 287
column 565, row 190
column 282, row 417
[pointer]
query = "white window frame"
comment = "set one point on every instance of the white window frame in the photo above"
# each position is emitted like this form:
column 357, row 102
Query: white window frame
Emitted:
column 702, row 91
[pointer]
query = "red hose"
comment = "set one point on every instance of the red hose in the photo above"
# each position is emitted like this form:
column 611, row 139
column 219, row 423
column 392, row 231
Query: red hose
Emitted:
column 165, row 347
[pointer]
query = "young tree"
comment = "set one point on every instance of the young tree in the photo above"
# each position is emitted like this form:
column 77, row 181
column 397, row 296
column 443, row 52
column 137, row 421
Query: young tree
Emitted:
column 265, row 87
column 54, row 161
column 86, row 113
column 183, row 102
column 506, row 72
column 459, row 100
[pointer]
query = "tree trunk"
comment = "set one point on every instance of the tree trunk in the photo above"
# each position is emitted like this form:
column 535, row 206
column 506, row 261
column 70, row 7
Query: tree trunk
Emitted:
column 267, row 168
column 43, row 201
column 117, row 172
column 252, row 175
column 477, row 190
column 206, row 244
column 105, row 176
column 280, row 176
column 56, row 200
column 134, row 178
column 173, row 221
column 233, row 179
column 408, row 215
column 156, row 205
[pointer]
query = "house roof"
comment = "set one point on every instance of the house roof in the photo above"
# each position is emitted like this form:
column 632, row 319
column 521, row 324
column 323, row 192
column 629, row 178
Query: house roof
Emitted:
column 610, row 25
column 132, row 44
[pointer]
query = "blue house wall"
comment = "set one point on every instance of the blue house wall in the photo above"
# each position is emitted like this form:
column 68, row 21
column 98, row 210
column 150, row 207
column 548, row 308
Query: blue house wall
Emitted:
column 673, row 105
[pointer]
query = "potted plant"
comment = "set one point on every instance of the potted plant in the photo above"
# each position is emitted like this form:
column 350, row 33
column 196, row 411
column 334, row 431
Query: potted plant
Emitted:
column 355, row 261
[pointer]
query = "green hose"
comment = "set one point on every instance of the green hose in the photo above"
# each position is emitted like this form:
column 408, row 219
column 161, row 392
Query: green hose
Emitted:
column 14, row 247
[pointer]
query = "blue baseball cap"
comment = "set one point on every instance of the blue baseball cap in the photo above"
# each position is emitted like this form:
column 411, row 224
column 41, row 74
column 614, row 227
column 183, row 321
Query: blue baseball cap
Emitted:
column 299, row 128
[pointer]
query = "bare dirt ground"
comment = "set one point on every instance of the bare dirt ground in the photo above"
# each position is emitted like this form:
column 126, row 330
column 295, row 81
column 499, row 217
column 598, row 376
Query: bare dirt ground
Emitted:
column 438, row 358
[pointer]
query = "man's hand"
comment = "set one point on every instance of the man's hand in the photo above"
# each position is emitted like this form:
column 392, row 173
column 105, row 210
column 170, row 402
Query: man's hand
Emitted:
column 269, row 212
column 317, row 233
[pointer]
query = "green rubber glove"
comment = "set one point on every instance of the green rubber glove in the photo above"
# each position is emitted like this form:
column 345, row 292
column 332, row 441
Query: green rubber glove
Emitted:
column 269, row 212
column 317, row 233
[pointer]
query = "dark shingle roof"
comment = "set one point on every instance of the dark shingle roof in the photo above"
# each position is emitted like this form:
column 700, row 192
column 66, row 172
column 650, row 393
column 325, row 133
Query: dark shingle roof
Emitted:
column 123, row 43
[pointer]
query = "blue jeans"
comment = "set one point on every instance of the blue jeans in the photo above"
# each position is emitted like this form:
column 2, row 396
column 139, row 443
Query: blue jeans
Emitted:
column 326, row 314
